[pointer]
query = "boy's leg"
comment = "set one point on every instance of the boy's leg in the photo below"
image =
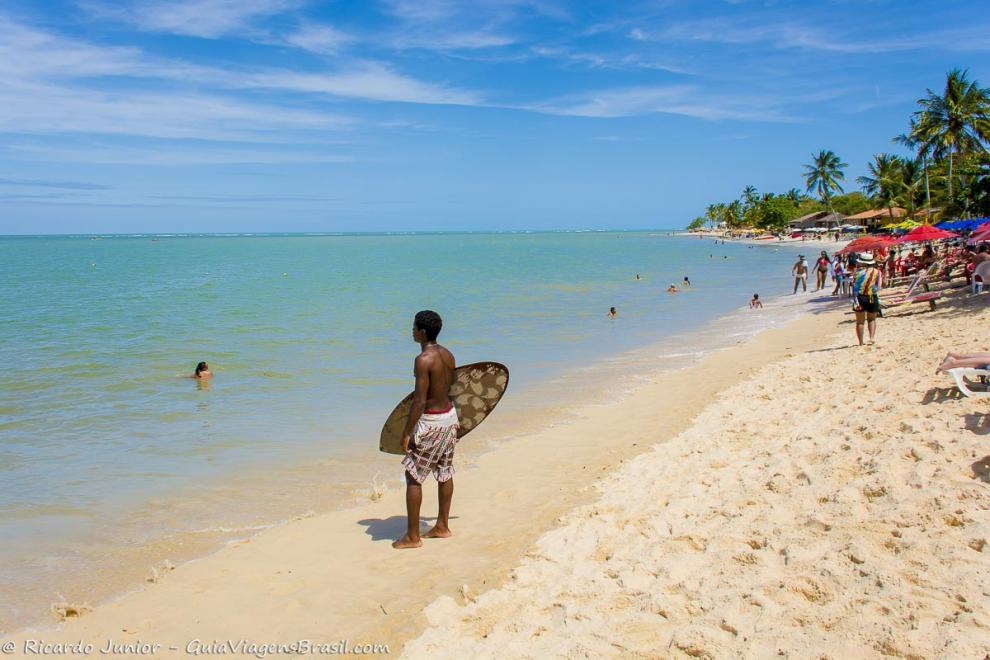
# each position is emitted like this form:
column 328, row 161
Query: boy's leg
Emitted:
column 414, row 498
column 445, row 493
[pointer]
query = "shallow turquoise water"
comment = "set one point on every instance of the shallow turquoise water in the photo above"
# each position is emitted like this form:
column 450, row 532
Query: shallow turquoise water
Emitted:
column 309, row 340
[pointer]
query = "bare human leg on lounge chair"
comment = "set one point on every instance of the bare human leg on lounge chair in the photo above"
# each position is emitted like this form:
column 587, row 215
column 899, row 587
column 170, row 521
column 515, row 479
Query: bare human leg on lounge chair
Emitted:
column 964, row 360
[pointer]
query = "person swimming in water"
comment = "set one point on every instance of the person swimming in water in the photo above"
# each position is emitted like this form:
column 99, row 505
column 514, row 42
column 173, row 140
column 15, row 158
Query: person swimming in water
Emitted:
column 612, row 313
column 202, row 372
column 672, row 288
column 687, row 282
column 755, row 303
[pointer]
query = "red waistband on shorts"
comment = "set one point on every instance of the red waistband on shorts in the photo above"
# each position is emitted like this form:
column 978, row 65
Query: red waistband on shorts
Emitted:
column 433, row 411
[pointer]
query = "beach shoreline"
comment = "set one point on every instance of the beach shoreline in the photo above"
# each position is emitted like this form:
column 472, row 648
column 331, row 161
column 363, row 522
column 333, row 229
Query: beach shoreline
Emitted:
column 835, row 504
column 386, row 518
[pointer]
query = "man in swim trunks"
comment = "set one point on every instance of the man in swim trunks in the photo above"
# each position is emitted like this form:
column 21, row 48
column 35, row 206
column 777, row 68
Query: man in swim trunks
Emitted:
column 800, row 273
column 431, row 431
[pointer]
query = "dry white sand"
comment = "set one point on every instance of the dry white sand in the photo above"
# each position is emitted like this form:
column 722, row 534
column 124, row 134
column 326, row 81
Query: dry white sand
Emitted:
column 836, row 504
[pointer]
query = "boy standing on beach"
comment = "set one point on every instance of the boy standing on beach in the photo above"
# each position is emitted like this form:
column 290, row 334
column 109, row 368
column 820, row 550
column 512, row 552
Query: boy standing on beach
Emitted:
column 431, row 431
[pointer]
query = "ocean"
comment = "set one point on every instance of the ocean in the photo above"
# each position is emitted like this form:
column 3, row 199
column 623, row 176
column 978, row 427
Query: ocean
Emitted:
column 112, row 458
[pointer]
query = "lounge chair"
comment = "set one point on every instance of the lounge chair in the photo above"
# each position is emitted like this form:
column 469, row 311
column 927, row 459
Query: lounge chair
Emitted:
column 981, row 277
column 959, row 373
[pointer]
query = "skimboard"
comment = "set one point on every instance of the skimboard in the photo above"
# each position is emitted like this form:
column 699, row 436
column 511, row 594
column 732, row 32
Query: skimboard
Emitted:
column 476, row 391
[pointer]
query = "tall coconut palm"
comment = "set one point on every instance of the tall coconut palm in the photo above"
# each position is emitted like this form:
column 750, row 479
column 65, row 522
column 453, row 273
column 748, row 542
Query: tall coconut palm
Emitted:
column 823, row 175
column 750, row 197
column 885, row 180
column 794, row 195
column 923, row 153
column 715, row 213
column 956, row 120
column 912, row 176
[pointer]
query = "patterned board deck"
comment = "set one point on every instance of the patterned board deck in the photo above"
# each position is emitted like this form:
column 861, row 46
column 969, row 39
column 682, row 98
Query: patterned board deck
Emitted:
column 476, row 391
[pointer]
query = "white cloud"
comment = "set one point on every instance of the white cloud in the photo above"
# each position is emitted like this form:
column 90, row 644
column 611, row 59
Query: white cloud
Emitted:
column 369, row 80
column 685, row 100
column 319, row 38
column 169, row 153
column 198, row 18
column 795, row 35
column 53, row 84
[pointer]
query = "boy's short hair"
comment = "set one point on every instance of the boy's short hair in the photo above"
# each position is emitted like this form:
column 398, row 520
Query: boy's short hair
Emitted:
column 429, row 322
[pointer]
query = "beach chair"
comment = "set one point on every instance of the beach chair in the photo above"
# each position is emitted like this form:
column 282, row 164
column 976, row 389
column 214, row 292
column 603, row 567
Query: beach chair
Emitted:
column 959, row 374
column 981, row 277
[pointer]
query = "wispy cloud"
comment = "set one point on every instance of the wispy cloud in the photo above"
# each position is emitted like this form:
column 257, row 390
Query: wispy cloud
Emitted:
column 368, row 80
column 319, row 38
column 197, row 18
column 53, row 84
column 44, row 183
column 801, row 36
column 172, row 154
column 687, row 100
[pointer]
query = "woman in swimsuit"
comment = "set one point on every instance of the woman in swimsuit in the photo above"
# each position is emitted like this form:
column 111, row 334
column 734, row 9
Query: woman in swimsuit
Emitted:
column 821, row 270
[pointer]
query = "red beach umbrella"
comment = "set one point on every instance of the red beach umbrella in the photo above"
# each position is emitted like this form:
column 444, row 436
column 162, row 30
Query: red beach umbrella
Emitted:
column 926, row 233
column 981, row 236
column 867, row 244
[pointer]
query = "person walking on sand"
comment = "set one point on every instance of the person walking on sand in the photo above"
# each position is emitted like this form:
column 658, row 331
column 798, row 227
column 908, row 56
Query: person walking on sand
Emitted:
column 821, row 270
column 866, row 295
column 431, row 431
column 800, row 273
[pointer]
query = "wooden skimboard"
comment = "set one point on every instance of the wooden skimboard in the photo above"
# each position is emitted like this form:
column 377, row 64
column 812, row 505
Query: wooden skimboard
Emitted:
column 476, row 391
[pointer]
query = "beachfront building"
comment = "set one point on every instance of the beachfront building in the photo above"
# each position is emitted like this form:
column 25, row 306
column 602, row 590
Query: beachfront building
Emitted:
column 817, row 220
column 876, row 218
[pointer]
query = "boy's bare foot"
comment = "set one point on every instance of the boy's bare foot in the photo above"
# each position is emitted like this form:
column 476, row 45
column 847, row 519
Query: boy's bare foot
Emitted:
column 405, row 542
column 435, row 533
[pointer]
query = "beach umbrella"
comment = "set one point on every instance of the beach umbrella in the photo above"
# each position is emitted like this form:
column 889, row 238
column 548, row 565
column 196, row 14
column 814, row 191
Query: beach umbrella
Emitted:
column 980, row 236
column 926, row 233
column 867, row 244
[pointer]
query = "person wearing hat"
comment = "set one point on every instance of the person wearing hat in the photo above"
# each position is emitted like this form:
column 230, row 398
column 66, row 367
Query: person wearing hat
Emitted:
column 866, row 295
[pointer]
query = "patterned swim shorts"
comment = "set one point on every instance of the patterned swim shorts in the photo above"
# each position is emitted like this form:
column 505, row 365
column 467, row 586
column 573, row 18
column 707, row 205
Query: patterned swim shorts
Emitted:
column 432, row 446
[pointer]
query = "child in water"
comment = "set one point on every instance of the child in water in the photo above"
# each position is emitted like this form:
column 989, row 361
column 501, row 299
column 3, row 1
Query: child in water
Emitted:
column 755, row 302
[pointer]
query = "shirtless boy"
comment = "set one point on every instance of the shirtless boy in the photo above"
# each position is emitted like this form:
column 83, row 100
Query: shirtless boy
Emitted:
column 431, row 431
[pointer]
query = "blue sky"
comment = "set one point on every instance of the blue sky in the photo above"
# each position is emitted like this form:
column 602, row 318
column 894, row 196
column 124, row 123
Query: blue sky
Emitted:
column 306, row 115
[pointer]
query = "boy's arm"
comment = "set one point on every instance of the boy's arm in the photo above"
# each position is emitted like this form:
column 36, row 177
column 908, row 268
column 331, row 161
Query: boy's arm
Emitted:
column 422, row 371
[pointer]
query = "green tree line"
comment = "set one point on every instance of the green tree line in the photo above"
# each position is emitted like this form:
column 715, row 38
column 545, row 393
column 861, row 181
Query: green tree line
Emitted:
column 948, row 168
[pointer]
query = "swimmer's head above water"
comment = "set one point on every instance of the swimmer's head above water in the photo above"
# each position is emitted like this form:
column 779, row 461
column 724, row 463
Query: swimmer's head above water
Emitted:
column 202, row 371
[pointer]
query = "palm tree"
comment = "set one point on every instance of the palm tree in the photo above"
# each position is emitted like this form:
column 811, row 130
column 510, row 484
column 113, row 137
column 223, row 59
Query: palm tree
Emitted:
column 824, row 174
column 885, row 180
column 794, row 195
column 923, row 152
column 750, row 197
column 734, row 213
column 715, row 213
column 954, row 121
column 912, row 174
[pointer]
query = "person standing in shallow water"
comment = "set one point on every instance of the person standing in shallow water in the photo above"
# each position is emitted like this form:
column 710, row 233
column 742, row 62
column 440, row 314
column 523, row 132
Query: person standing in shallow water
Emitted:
column 431, row 431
